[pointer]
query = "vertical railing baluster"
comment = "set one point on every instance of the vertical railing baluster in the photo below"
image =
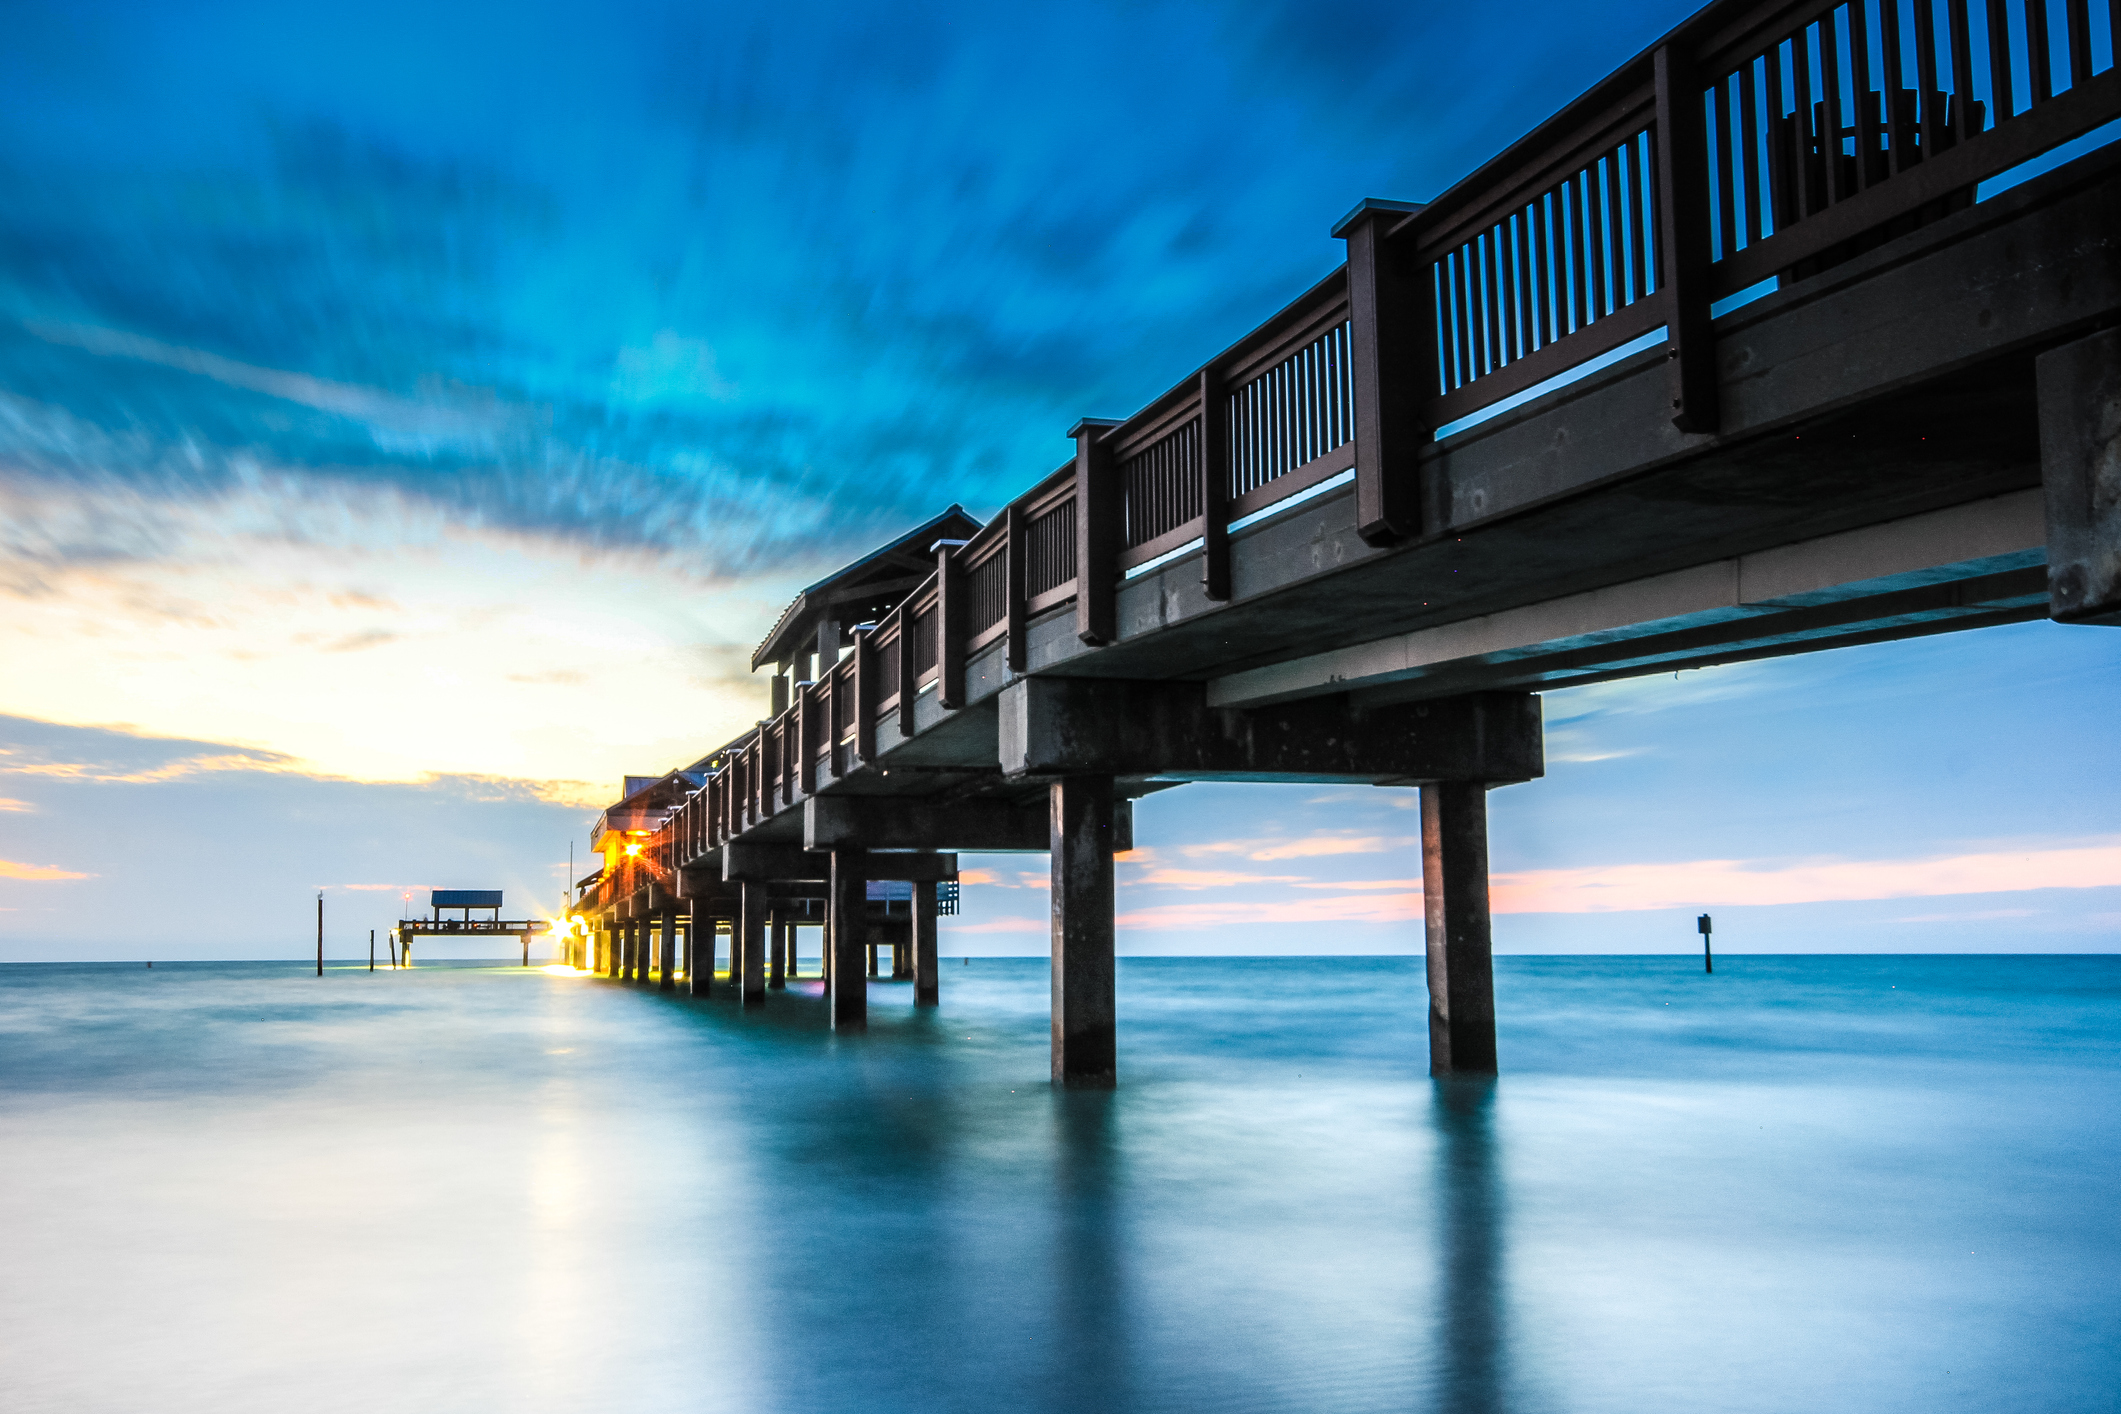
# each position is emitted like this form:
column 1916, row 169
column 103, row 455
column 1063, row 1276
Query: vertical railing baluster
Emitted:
column 2077, row 15
column 1721, row 180
column 1802, row 136
column 1468, row 364
column 1579, row 305
column 1830, row 83
column 1931, row 122
column 2000, row 106
column 2039, row 53
column 1754, row 163
column 1528, row 338
column 1865, row 119
column 1893, row 73
column 1962, row 41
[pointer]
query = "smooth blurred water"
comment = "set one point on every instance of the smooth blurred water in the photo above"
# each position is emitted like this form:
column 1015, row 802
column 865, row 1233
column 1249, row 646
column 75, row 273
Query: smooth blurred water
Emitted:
column 1819, row 1183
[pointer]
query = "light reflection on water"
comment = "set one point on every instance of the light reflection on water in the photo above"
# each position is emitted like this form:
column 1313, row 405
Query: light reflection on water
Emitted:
column 1818, row 1183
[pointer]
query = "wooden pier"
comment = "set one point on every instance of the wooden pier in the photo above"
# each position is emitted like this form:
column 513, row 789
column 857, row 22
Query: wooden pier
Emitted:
column 1723, row 361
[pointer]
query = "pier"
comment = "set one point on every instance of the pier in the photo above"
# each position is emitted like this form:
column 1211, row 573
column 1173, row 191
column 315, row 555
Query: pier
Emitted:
column 1724, row 361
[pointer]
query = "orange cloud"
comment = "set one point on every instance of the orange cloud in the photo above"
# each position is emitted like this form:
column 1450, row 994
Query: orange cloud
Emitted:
column 1311, row 847
column 979, row 876
column 9, row 869
column 1003, row 925
column 1414, row 884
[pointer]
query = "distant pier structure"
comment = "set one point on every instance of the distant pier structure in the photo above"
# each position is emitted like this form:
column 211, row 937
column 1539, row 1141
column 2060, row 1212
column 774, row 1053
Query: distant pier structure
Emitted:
column 1730, row 358
column 465, row 902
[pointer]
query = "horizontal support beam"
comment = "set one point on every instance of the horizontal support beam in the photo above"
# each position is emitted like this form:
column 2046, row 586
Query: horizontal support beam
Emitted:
column 775, row 862
column 1737, row 600
column 1055, row 727
column 897, row 823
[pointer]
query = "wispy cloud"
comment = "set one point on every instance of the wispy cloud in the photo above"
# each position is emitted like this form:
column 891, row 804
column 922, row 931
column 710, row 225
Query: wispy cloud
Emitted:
column 1693, row 883
column 1687, row 884
column 9, row 869
column 1308, row 847
column 1971, row 916
column 1211, row 878
column 8, row 805
column 1003, row 925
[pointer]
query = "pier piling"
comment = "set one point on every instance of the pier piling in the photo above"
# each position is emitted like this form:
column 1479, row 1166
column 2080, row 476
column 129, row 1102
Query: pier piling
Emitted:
column 1085, row 1031
column 1454, row 880
column 849, row 929
column 667, row 917
column 750, row 937
column 699, row 936
column 927, row 989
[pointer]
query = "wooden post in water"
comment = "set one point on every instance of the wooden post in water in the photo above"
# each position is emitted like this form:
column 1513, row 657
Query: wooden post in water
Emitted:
column 320, row 932
column 371, row 950
column 1708, row 959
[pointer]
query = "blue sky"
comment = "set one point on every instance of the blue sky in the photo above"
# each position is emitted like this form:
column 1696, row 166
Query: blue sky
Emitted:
column 411, row 415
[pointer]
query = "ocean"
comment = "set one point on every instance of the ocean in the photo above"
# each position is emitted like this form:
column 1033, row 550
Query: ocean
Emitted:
column 1802, row 1183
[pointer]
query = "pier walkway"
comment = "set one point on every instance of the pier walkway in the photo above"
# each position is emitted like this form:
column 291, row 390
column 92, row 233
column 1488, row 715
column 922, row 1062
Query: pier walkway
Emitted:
column 1733, row 357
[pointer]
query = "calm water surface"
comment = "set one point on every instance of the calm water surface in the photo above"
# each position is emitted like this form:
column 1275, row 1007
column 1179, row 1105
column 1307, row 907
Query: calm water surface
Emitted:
column 1802, row 1184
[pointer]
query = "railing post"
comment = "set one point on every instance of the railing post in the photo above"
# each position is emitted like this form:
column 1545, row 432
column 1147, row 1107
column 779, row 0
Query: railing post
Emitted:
column 949, row 629
column 1683, row 242
column 1097, row 532
column 1389, row 333
column 909, row 672
column 806, row 709
column 1013, row 598
column 866, row 694
column 1214, row 487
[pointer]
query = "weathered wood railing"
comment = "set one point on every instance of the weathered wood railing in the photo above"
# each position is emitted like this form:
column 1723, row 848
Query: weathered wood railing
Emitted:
column 1755, row 142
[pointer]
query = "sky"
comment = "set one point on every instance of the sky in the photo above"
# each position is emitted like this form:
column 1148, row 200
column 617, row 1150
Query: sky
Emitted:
column 411, row 415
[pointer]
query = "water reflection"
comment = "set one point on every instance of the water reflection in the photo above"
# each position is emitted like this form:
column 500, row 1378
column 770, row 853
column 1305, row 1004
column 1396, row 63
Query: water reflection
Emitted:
column 1470, row 1331
column 1089, row 1325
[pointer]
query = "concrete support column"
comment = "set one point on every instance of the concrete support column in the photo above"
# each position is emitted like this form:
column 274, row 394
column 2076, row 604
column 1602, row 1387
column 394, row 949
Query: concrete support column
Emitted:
column 750, row 940
column 1454, row 882
column 848, row 934
column 1085, row 1031
column 927, row 989
column 625, row 949
column 699, row 936
column 669, row 918
column 637, row 929
column 872, row 959
column 777, row 931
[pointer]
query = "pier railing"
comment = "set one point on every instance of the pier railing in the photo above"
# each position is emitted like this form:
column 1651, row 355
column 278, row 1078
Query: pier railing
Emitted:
column 1756, row 142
